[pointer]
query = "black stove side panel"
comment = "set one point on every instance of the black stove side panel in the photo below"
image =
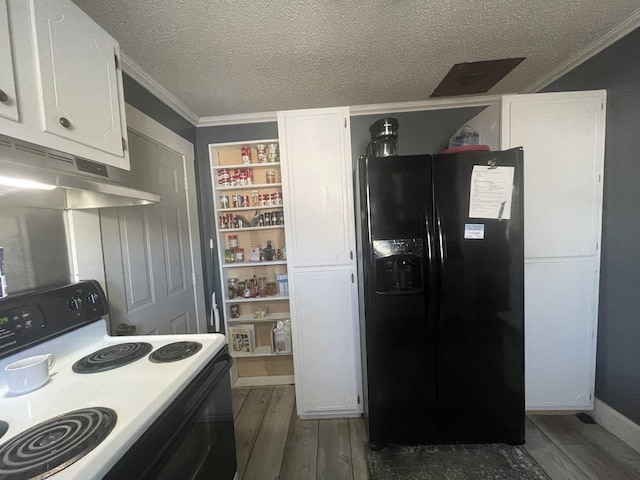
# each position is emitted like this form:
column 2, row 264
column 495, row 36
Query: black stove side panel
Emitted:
column 32, row 318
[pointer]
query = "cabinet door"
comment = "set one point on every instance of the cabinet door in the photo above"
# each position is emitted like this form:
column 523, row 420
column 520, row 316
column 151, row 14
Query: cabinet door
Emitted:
column 315, row 150
column 8, row 99
column 78, row 78
column 325, row 341
column 563, row 139
column 560, row 327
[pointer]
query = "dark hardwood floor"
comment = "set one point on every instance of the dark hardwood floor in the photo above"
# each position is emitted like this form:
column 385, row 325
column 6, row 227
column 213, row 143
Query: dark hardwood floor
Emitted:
column 272, row 443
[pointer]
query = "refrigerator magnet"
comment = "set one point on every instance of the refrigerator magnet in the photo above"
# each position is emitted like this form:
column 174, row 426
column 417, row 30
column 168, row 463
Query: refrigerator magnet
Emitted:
column 474, row 231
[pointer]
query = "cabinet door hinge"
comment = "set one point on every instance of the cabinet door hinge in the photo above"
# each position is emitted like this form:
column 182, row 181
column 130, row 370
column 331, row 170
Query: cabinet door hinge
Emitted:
column 124, row 144
column 351, row 254
column 352, row 278
column 117, row 60
column 345, row 122
column 358, row 399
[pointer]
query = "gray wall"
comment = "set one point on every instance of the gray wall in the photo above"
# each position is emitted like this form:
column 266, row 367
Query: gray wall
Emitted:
column 205, row 136
column 418, row 132
column 618, row 359
column 137, row 96
column 35, row 248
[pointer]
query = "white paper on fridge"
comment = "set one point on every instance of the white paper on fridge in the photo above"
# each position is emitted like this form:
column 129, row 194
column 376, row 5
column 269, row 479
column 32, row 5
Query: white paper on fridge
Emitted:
column 491, row 191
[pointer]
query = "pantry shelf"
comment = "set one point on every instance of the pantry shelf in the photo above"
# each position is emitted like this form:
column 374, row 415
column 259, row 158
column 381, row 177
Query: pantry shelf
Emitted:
column 253, row 264
column 269, row 207
column 273, row 298
column 253, row 186
column 262, row 351
column 269, row 318
column 246, row 229
column 248, row 165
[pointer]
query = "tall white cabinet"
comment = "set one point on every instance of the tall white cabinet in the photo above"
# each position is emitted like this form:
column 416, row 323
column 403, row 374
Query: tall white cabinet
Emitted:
column 315, row 149
column 563, row 139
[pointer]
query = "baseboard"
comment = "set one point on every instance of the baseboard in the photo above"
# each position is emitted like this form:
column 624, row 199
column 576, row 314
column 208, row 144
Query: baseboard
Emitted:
column 623, row 428
column 324, row 416
column 264, row 381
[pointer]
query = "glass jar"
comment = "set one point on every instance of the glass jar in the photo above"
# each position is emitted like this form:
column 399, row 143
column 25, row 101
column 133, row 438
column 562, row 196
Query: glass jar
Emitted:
column 262, row 286
column 271, row 288
column 242, row 286
column 271, row 176
column 232, row 287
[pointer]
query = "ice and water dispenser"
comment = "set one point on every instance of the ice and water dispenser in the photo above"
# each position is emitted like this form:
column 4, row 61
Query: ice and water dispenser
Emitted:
column 398, row 266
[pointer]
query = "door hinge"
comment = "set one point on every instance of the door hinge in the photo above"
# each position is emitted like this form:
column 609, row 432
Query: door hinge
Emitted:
column 358, row 399
column 601, row 105
column 345, row 122
column 352, row 278
column 115, row 57
column 124, row 144
column 351, row 254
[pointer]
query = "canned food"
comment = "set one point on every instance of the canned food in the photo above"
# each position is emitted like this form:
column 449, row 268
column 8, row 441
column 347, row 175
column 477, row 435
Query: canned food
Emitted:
column 239, row 254
column 246, row 155
column 223, row 201
column 249, row 176
column 262, row 152
column 223, row 177
column 255, row 198
column 234, row 201
column 271, row 176
column 273, row 155
column 232, row 241
column 255, row 253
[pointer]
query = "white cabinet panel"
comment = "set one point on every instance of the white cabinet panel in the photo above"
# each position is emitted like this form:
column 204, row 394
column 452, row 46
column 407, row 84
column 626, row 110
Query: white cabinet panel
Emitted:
column 78, row 78
column 324, row 328
column 8, row 98
column 316, row 166
column 560, row 328
column 563, row 139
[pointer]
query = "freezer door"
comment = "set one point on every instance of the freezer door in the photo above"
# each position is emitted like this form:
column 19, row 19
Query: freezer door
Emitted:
column 480, row 247
column 395, row 198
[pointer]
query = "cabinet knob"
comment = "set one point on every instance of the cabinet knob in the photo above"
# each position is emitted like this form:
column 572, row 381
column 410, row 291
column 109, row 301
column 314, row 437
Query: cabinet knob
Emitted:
column 3, row 96
column 65, row 122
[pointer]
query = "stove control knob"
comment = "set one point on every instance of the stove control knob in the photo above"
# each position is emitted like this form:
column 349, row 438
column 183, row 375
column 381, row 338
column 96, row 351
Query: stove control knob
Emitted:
column 92, row 298
column 75, row 303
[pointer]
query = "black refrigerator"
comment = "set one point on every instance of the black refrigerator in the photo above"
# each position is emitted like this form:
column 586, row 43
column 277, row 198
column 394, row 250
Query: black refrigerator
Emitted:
column 441, row 259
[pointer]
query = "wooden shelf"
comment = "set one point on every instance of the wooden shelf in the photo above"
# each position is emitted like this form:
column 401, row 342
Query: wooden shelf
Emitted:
column 241, row 209
column 253, row 186
column 272, row 298
column 247, row 165
column 253, row 264
column 262, row 351
column 247, row 229
column 270, row 317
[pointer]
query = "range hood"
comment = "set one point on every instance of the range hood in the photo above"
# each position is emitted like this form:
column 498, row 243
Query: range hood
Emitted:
column 64, row 181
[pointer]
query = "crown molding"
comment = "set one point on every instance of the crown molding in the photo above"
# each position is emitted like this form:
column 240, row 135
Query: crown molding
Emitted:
column 436, row 104
column 593, row 49
column 136, row 72
column 236, row 119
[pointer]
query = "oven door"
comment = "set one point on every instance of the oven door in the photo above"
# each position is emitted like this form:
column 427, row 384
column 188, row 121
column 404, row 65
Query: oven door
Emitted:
column 193, row 439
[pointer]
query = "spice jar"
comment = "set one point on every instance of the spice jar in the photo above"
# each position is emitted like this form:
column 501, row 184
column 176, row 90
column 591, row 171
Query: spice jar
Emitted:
column 271, row 288
column 242, row 287
column 232, row 241
column 235, row 310
column 232, row 286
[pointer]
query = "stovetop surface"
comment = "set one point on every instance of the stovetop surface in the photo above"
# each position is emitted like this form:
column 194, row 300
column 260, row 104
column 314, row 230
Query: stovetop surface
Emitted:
column 138, row 392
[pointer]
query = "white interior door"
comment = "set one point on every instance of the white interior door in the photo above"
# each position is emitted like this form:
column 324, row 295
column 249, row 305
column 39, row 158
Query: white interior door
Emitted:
column 152, row 253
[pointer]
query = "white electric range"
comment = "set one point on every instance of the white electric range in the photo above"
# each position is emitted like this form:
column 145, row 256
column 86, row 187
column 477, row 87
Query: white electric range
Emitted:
column 162, row 411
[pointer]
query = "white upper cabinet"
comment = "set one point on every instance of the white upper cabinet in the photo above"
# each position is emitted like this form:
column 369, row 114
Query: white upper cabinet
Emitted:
column 319, row 179
column 563, row 139
column 78, row 79
column 67, row 79
column 8, row 100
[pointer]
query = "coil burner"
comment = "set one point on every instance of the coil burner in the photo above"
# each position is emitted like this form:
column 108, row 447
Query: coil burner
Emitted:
column 175, row 351
column 45, row 449
column 112, row 357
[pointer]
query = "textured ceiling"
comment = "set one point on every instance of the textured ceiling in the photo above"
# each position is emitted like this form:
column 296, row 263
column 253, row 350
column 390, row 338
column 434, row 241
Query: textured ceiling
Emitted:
column 224, row 57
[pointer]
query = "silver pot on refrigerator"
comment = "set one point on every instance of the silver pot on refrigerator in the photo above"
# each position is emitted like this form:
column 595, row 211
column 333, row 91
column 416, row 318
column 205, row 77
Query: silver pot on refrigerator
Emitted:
column 384, row 138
